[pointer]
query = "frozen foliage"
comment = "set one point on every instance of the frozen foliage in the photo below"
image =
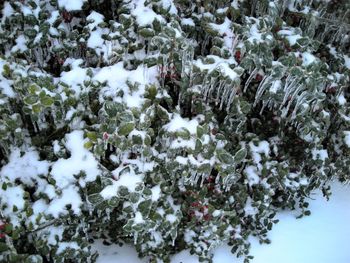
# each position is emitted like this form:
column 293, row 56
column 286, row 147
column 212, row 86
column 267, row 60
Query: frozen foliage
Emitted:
column 170, row 125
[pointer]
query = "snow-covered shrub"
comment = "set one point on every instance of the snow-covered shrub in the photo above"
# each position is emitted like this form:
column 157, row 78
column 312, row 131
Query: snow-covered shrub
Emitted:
column 169, row 124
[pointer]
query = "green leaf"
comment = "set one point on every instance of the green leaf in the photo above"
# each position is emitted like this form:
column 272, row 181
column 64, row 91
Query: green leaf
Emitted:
column 224, row 156
column 146, row 32
column 31, row 99
column 36, row 109
column 125, row 129
column 47, row 101
column 88, row 145
column 3, row 247
column 240, row 155
column 144, row 207
column 95, row 198
column 92, row 136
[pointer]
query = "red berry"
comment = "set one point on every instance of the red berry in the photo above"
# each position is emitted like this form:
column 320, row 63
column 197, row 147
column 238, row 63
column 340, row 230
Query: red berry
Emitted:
column 214, row 131
column 258, row 77
column 105, row 136
column 195, row 204
column 206, row 217
column 67, row 17
column 238, row 56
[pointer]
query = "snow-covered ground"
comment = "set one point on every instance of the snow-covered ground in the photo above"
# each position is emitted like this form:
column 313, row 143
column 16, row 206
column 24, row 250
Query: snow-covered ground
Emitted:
column 323, row 237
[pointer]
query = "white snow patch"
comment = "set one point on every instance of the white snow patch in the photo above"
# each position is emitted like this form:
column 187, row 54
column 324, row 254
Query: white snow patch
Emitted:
column 308, row 58
column 26, row 168
column 71, row 5
column 319, row 154
column 128, row 179
column 347, row 138
column 177, row 123
column 252, row 175
column 81, row 160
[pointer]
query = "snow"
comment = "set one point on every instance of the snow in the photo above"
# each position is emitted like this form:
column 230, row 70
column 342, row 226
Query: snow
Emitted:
column 319, row 154
column 75, row 77
column 156, row 192
column 20, row 44
column 347, row 61
column 138, row 218
column 95, row 40
column 94, row 19
column 187, row 22
column 322, row 237
column 308, row 58
column 177, row 123
column 128, row 179
column 220, row 64
column 144, row 15
column 81, row 160
column 252, row 175
column 276, row 85
column 27, row 168
column 262, row 147
column 71, row 5
column 347, row 138
column 341, row 99
column 69, row 196
column 5, row 84
column 66, row 245
column 290, row 36
column 116, row 77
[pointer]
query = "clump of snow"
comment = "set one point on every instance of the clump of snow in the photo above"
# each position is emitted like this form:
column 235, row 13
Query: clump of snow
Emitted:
column 71, row 5
column 177, row 123
column 138, row 219
column 116, row 77
column 220, row 64
column 5, row 84
column 347, row 61
column 341, row 99
column 81, row 160
column 262, row 147
column 308, row 58
column 252, row 175
column 75, row 77
column 319, row 154
column 249, row 209
column 69, row 196
column 156, row 192
column 12, row 196
column 26, row 168
column 144, row 15
column 276, row 85
column 67, row 245
column 128, row 179
column 21, row 45
column 290, row 35
column 347, row 138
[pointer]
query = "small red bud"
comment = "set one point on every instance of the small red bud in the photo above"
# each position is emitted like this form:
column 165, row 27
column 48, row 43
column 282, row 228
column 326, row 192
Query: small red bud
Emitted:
column 105, row 136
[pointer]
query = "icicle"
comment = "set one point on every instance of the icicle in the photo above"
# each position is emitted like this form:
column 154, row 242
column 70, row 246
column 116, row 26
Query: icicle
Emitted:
column 218, row 92
column 250, row 79
column 202, row 179
column 288, row 88
column 301, row 99
column 292, row 99
column 265, row 102
column 261, row 88
column 135, row 238
column 224, row 96
column 231, row 98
